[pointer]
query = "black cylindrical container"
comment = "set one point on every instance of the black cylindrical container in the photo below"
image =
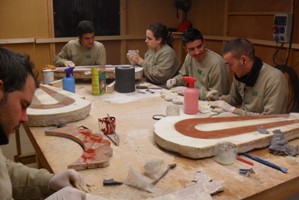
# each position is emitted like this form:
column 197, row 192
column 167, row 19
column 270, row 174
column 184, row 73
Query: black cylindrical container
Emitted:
column 124, row 79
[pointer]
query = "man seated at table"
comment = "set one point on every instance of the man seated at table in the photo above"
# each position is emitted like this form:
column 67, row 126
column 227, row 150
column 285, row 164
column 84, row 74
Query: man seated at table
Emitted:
column 83, row 51
column 206, row 66
column 257, row 87
column 17, row 87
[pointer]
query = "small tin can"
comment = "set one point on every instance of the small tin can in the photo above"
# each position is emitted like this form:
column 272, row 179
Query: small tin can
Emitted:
column 48, row 76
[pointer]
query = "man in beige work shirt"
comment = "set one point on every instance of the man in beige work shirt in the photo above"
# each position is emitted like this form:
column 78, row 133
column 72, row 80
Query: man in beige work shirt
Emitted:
column 206, row 66
column 257, row 88
column 17, row 88
column 84, row 51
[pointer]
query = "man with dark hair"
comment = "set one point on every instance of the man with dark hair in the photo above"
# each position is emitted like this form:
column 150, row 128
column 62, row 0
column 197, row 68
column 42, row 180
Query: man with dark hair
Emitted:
column 17, row 87
column 257, row 87
column 206, row 66
column 83, row 51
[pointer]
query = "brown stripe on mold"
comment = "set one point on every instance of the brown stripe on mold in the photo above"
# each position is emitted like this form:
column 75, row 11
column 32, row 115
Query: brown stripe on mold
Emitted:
column 62, row 100
column 187, row 126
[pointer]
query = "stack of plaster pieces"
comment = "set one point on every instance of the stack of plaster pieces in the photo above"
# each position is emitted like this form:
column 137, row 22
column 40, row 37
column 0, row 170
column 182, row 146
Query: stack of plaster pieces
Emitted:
column 176, row 96
column 279, row 145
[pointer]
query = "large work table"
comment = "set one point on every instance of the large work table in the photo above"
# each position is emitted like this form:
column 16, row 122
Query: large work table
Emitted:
column 134, row 124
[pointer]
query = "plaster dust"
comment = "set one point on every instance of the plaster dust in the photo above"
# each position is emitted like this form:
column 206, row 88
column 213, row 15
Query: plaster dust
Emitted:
column 116, row 97
column 138, row 140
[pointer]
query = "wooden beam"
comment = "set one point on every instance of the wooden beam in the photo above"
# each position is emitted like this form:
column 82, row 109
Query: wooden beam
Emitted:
column 17, row 41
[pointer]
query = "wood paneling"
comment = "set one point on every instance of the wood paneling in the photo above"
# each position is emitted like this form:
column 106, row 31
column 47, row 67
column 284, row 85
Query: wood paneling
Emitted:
column 207, row 16
column 21, row 19
column 257, row 27
column 218, row 20
column 259, row 6
column 141, row 13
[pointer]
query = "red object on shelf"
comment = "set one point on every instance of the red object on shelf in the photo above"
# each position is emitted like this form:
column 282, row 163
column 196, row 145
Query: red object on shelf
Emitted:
column 184, row 25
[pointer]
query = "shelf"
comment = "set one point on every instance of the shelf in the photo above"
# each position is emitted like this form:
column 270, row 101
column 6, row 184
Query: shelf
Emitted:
column 17, row 41
column 253, row 13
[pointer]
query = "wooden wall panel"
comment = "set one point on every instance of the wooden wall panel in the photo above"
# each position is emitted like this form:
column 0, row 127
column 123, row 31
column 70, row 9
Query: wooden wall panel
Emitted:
column 39, row 54
column 296, row 24
column 112, row 52
column 265, row 53
column 257, row 27
column 259, row 5
column 294, row 61
column 21, row 19
column 214, row 46
column 207, row 16
column 141, row 13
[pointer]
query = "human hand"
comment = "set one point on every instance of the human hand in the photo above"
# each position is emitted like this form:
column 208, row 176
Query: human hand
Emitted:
column 137, row 59
column 171, row 83
column 222, row 104
column 68, row 193
column 129, row 56
column 132, row 56
column 68, row 178
column 212, row 95
column 69, row 63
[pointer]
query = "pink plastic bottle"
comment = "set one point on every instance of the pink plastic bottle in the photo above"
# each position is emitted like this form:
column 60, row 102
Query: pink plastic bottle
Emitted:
column 191, row 96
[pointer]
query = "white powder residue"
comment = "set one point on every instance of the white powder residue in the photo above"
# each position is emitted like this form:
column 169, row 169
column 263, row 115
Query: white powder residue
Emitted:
column 117, row 97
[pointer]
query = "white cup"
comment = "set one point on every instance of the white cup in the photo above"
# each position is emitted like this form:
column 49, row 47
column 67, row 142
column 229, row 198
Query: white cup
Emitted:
column 48, row 76
column 225, row 152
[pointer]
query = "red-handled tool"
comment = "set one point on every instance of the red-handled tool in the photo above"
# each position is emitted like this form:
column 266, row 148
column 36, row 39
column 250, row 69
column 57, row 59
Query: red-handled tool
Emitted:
column 109, row 129
column 244, row 161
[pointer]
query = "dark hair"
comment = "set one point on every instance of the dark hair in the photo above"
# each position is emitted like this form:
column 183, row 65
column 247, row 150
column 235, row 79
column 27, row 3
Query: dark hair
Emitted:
column 14, row 70
column 190, row 35
column 84, row 27
column 160, row 31
column 239, row 47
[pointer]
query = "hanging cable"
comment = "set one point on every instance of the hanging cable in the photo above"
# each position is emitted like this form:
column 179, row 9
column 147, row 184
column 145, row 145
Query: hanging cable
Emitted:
column 291, row 34
column 274, row 58
column 293, row 78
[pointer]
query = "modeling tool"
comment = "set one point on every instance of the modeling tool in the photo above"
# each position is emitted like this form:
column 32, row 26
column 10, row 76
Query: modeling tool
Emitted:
column 244, row 161
column 265, row 162
column 170, row 166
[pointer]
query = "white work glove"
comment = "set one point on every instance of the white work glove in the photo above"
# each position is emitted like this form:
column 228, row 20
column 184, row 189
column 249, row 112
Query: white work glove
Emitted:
column 68, row 193
column 212, row 95
column 68, row 178
column 171, row 83
column 69, row 63
column 222, row 104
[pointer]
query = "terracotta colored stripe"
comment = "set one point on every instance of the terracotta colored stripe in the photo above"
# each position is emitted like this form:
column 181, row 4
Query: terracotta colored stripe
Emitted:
column 187, row 126
column 62, row 100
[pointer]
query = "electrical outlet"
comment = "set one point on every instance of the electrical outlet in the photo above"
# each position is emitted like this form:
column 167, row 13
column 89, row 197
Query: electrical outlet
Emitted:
column 282, row 27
